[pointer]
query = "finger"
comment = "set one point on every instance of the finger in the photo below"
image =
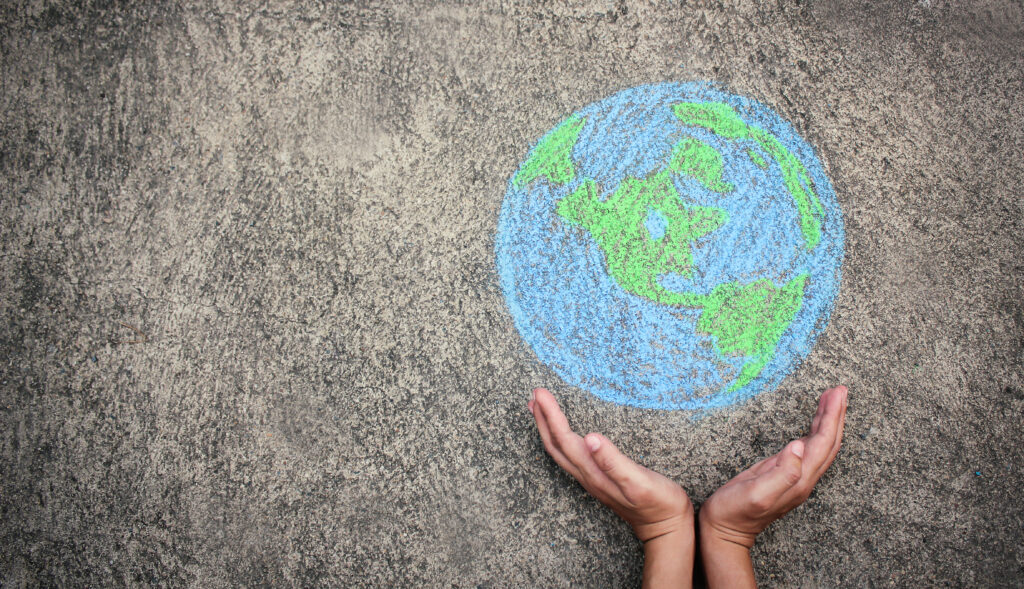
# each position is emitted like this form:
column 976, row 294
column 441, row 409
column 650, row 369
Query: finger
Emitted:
column 819, row 444
column 822, row 405
column 614, row 464
column 571, row 446
column 773, row 484
column 550, row 446
column 828, row 424
column 557, row 423
column 553, row 450
column 768, row 463
column 843, row 394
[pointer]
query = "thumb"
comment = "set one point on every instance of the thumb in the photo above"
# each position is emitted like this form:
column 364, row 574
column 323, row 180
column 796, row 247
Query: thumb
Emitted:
column 620, row 470
column 786, row 472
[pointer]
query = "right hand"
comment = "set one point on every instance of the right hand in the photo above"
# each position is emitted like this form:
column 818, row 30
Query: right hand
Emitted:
column 743, row 507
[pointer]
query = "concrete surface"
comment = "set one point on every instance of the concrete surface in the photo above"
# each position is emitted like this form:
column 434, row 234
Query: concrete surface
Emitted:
column 252, row 334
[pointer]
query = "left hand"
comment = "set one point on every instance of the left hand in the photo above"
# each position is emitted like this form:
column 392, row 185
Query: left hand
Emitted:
column 651, row 503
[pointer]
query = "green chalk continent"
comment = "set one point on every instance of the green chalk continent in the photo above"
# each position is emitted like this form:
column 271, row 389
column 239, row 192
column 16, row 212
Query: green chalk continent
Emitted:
column 743, row 320
column 698, row 159
column 757, row 159
column 635, row 261
column 551, row 156
column 749, row 321
column 721, row 119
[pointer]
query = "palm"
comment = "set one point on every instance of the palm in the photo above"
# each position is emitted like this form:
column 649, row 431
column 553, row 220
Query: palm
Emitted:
column 763, row 493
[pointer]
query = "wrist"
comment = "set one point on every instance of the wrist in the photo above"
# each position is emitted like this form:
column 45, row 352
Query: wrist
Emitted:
column 714, row 532
column 668, row 559
column 726, row 557
column 717, row 548
column 676, row 527
column 671, row 542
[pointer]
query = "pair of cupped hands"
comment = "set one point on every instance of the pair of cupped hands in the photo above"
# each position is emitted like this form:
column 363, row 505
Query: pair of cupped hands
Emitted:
column 661, row 514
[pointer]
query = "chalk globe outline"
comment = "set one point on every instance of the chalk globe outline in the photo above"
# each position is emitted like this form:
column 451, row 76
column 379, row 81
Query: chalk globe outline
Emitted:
column 614, row 353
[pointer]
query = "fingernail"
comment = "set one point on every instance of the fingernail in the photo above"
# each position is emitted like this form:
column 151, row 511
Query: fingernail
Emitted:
column 798, row 449
column 593, row 443
column 533, row 394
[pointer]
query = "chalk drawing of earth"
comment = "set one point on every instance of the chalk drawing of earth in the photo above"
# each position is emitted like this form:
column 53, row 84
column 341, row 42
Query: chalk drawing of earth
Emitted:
column 672, row 246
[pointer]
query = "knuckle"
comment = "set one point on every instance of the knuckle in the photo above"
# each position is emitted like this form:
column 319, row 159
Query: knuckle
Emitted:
column 792, row 475
column 637, row 495
column 761, row 502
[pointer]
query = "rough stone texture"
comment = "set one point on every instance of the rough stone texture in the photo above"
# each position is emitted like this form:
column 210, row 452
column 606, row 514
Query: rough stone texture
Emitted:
column 292, row 205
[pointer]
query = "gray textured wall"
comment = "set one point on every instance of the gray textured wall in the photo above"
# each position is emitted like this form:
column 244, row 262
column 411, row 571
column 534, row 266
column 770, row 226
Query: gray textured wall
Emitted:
column 295, row 203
